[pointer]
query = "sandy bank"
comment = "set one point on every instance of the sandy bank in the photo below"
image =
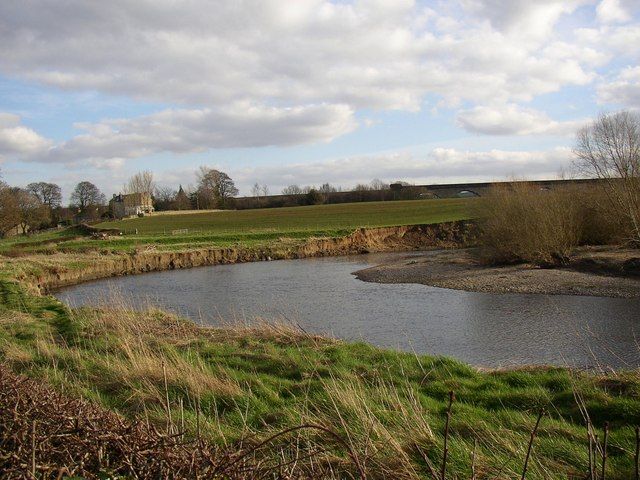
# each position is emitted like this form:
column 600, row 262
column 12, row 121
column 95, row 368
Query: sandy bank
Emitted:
column 601, row 271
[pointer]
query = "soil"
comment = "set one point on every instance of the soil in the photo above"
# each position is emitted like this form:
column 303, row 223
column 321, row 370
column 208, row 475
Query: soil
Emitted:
column 594, row 271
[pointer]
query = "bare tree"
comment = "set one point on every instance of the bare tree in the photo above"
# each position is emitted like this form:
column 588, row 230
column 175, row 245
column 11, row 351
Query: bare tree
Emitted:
column 292, row 190
column 163, row 198
column 9, row 213
column 215, row 187
column 32, row 213
column 609, row 149
column 85, row 195
column 48, row 193
column 377, row 184
column 362, row 187
column 141, row 182
column 327, row 188
column 259, row 190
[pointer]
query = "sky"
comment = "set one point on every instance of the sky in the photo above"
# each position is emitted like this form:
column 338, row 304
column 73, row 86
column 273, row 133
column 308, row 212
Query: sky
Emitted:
column 304, row 92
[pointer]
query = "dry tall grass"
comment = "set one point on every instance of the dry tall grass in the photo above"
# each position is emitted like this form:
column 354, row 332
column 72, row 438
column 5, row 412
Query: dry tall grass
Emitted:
column 521, row 222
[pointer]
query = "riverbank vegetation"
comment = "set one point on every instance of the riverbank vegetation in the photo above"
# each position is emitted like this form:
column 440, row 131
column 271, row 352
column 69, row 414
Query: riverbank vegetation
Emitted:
column 240, row 385
column 522, row 223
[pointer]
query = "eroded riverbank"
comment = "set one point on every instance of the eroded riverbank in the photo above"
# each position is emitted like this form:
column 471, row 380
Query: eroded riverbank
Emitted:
column 48, row 272
column 593, row 271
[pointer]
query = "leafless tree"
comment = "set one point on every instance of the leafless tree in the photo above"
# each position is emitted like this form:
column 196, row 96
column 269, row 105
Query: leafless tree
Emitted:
column 609, row 149
column 327, row 188
column 48, row 193
column 362, row 187
column 215, row 187
column 9, row 213
column 85, row 195
column 377, row 184
column 33, row 214
column 163, row 197
column 259, row 190
column 141, row 182
column 292, row 190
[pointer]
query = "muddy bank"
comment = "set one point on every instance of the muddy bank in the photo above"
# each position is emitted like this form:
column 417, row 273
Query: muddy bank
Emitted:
column 602, row 271
column 364, row 240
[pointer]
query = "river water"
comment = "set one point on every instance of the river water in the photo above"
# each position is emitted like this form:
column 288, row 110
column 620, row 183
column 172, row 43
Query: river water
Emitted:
column 322, row 296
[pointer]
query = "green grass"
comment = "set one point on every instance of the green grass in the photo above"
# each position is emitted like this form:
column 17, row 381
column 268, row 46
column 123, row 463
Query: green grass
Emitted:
column 315, row 218
column 260, row 380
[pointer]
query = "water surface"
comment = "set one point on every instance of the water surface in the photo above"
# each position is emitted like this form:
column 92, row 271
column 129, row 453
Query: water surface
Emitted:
column 322, row 296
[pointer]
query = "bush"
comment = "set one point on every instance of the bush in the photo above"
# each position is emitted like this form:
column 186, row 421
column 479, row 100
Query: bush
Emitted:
column 522, row 223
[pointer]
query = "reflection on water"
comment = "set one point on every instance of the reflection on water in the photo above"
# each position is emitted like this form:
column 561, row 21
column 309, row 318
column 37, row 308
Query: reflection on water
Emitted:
column 322, row 296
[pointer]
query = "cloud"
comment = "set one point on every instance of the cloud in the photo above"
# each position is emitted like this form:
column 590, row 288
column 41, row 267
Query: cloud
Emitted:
column 512, row 119
column 271, row 73
column 182, row 131
column 624, row 89
column 612, row 11
column 439, row 165
column 366, row 54
column 16, row 139
column 533, row 20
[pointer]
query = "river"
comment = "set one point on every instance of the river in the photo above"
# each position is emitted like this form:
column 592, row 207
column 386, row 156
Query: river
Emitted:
column 322, row 296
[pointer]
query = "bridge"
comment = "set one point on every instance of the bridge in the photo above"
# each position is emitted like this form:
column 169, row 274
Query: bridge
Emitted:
column 479, row 189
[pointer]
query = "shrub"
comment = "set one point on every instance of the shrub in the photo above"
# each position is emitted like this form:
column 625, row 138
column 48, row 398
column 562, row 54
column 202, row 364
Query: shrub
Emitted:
column 520, row 222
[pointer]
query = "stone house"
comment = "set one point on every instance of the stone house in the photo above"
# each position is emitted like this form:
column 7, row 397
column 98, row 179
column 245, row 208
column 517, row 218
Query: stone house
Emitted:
column 131, row 204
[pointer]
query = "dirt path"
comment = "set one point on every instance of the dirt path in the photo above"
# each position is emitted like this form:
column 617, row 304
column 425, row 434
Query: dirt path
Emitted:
column 605, row 272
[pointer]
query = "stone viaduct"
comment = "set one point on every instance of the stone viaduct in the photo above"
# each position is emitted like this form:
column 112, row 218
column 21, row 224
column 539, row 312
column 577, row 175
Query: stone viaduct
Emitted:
column 479, row 189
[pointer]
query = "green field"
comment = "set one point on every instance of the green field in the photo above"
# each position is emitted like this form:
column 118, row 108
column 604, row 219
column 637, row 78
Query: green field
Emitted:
column 248, row 228
column 346, row 216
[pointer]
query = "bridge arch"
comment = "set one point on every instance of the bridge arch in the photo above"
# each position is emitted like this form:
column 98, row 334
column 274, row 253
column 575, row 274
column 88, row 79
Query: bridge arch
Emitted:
column 467, row 193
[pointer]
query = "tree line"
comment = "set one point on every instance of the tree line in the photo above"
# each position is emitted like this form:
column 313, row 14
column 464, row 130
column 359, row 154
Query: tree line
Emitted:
column 39, row 205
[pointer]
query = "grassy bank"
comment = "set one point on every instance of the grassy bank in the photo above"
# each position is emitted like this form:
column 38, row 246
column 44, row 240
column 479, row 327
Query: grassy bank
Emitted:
column 241, row 385
column 251, row 382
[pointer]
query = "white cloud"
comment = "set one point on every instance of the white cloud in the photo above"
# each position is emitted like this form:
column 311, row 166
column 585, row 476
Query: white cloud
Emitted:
column 612, row 11
column 532, row 20
column 267, row 72
column 16, row 139
column 512, row 119
column 367, row 54
column 624, row 89
column 180, row 131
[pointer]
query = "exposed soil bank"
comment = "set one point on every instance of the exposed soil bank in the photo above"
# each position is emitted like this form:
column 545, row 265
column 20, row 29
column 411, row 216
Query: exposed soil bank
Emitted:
column 364, row 240
column 594, row 271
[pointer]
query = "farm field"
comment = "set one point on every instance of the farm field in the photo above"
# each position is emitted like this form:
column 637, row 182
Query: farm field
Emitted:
column 249, row 228
column 307, row 218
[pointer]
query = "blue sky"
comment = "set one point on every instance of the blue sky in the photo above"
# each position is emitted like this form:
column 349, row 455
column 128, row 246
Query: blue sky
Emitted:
column 309, row 91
